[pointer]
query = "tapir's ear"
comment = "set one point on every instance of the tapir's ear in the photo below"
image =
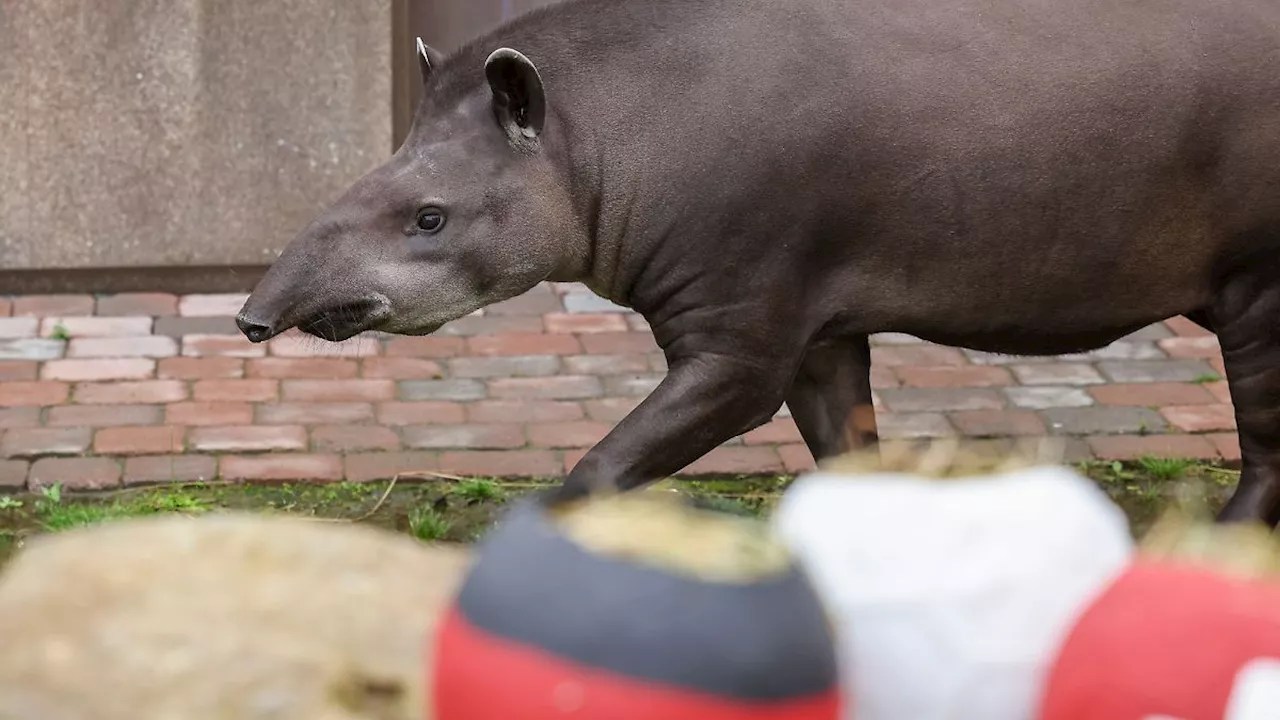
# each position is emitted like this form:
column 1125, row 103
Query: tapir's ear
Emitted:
column 428, row 59
column 519, row 103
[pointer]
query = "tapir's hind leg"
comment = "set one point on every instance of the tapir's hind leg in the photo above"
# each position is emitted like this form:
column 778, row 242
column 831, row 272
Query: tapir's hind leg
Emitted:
column 1246, row 317
column 830, row 398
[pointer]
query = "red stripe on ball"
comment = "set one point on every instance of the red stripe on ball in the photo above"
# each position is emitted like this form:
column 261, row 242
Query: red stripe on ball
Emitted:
column 480, row 676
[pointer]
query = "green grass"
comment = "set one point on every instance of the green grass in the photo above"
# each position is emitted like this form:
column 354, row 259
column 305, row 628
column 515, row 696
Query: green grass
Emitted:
column 428, row 524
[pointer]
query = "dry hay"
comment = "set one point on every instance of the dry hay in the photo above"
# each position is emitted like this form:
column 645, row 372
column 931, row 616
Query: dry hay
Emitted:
column 225, row 616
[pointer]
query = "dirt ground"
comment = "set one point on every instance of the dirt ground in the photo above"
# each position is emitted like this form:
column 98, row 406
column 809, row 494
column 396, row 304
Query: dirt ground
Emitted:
column 460, row 509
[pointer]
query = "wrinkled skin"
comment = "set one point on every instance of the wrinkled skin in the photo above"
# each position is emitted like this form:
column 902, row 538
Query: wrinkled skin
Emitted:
column 770, row 183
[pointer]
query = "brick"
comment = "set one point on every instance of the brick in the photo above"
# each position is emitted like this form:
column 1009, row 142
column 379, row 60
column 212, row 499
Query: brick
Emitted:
column 796, row 459
column 941, row 399
column 1150, row 333
column 1056, row 374
column 1151, row 394
column 1200, row 418
column 19, row 417
column 1204, row 346
column 95, row 416
column 205, row 413
column 209, row 368
column 780, row 431
column 221, row 346
column 32, row 349
column 1103, row 421
column 1220, row 391
column 619, row 343
column 369, row 467
column 894, row 356
column 421, row 413
column 29, row 394
column 953, row 376
column 1155, row 370
column 303, row 368
column 351, row 438
column 306, row 346
column 248, row 438
column 12, row 328
column 99, row 369
column 998, row 423
column 898, row 425
column 522, row 411
column 895, row 338
column 509, row 366
column 482, row 437
column 139, row 440
column 538, row 301
column 153, row 469
column 585, row 323
column 6, row 307
column 611, row 364
column 425, row 347
column 13, row 474
column 152, row 346
column 1043, row 398
column 1130, row 447
column 454, row 390
column 634, row 385
column 562, row 387
column 281, row 468
column 575, row 434
column 228, row 304
column 338, row 390
column 477, row 325
column 1118, row 350
column 587, row 302
column 637, row 323
column 44, row 305
column 11, row 370
column 571, row 457
column 501, row 463
column 737, row 461
column 37, row 442
column 1185, row 328
column 178, row 327
column 126, row 304
column 611, row 410
column 401, row 368
column 256, row 390
column 131, row 393
column 1218, row 366
column 75, row 473
column 658, row 362
column 1227, row 445
column 524, row 344
column 313, row 413
column 96, row 327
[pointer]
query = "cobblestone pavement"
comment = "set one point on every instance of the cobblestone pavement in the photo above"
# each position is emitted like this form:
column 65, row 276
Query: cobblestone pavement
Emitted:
column 142, row 388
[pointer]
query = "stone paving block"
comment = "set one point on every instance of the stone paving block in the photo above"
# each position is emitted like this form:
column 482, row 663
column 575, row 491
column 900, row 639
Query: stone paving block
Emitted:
column 507, row 366
column 898, row 355
column 12, row 417
column 1183, row 327
column 46, row 305
column 1133, row 447
column 501, row 463
column 221, row 346
column 634, row 385
column 305, row 346
column 1150, row 333
column 618, row 343
column 139, row 392
column 98, row 416
column 178, row 327
column 206, row 413
column 254, row 390
column 1151, row 394
column 1200, row 418
column 587, row 303
column 227, row 305
column 563, row 387
column 364, row 390
column 38, row 442
column 574, row 434
column 75, row 473
column 997, row 423
column 152, row 346
column 780, row 431
column 1227, row 445
column 456, row 390
column 523, row 411
column 247, row 438
column 796, row 458
column 611, row 365
column 18, row 327
column 951, row 376
column 1057, row 374
column 11, row 370
column 1201, row 347
column 13, row 475
column 1155, row 370
column 478, row 325
column 536, row 302
column 353, row 438
column 153, row 440
column 482, row 437
column 426, row 413
column 31, row 394
column 941, row 399
column 425, row 347
column 210, row 368
column 914, row 425
column 586, row 323
column 1044, row 398
column 137, row 304
column 96, row 327
column 156, row 469
column 1104, row 421
column 733, row 460
column 32, row 349
column 314, row 368
column 524, row 344
column 1119, row 350
column 311, row 413
column 281, row 467
column 6, row 307
column 400, row 368
column 369, row 467
column 99, row 369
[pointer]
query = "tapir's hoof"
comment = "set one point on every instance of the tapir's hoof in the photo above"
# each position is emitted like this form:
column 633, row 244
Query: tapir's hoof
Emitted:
column 633, row 608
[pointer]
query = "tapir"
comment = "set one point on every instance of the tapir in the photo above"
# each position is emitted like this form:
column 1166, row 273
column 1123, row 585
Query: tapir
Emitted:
column 769, row 183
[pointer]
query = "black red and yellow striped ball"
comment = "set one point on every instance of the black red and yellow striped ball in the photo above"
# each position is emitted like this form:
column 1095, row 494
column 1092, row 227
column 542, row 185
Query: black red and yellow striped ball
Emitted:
column 634, row 607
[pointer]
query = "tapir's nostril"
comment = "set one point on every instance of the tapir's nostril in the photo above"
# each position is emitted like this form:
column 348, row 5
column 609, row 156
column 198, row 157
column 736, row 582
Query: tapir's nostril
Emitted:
column 256, row 332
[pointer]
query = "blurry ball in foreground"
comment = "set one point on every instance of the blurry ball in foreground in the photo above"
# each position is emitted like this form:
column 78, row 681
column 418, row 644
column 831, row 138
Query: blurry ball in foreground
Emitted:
column 634, row 607
column 951, row 597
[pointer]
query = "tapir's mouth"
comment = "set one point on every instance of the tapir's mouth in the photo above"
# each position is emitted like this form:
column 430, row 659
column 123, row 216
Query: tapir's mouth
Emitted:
column 341, row 322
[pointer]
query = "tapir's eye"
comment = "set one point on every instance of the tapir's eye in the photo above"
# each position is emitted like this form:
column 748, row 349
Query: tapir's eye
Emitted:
column 430, row 219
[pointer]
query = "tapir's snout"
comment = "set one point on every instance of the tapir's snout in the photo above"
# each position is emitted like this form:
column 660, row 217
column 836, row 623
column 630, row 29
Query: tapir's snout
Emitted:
column 256, row 330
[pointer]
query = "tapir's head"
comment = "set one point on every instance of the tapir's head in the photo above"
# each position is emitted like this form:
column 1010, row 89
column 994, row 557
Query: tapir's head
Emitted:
column 469, row 211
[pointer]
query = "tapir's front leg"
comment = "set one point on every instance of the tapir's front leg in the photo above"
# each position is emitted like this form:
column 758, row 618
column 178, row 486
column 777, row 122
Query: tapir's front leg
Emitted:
column 706, row 399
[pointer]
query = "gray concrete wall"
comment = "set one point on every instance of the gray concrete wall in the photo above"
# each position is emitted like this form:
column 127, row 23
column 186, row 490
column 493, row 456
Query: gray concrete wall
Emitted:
column 177, row 133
